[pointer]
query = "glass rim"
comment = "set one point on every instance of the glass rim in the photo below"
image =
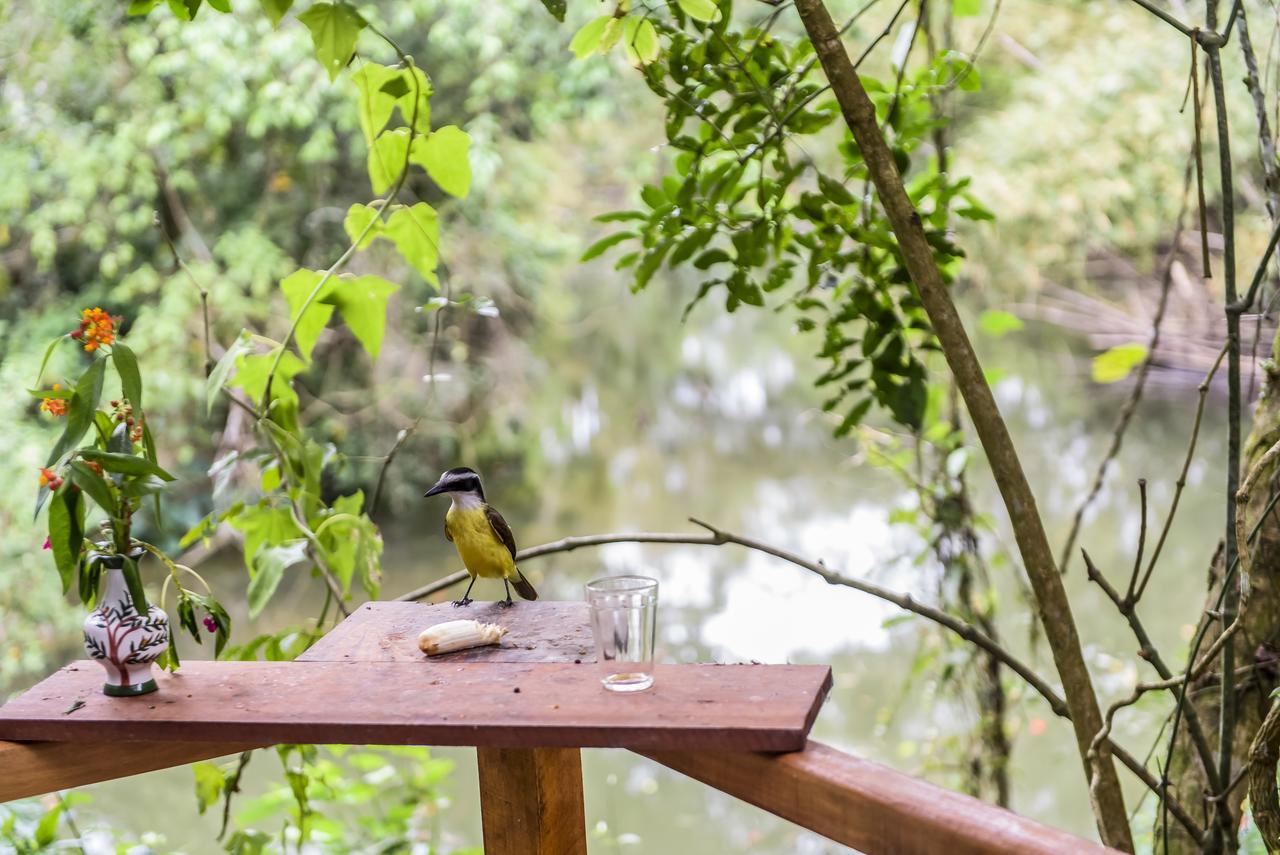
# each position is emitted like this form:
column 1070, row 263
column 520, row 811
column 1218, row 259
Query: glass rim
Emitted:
column 627, row 584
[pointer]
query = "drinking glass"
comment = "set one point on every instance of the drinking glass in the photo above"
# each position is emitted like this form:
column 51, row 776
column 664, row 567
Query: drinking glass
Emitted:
column 624, row 613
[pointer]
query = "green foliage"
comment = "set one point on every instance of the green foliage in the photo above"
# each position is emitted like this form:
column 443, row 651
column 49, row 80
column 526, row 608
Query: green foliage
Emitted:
column 997, row 323
column 334, row 29
column 345, row 799
column 766, row 224
column 1115, row 364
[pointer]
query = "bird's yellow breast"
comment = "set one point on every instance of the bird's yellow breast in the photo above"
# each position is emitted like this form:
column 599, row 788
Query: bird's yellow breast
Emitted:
column 482, row 553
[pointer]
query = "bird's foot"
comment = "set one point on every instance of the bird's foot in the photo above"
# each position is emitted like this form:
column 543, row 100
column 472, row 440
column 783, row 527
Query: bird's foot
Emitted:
column 506, row 604
column 465, row 601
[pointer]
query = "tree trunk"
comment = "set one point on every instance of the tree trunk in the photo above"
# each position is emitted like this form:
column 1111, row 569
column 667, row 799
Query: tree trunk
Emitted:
column 1051, row 599
column 1258, row 639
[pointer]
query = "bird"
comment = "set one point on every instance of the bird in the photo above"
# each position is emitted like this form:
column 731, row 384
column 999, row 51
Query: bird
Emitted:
column 482, row 537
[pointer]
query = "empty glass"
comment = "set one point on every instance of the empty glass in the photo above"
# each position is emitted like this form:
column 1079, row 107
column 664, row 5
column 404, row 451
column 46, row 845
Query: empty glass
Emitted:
column 624, row 613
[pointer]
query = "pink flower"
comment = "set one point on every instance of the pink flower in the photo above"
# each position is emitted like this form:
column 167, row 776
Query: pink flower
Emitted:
column 48, row 544
column 210, row 624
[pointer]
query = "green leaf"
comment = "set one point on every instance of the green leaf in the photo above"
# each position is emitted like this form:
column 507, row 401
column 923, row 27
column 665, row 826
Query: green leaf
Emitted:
column 644, row 43
column 376, row 104
column 363, row 303
column 444, row 155
column 1115, row 364
column 834, row 190
column 252, row 371
column 118, row 440
column 275, row 9
column 48, row 352
column 209, row 784
column 269, row 565
column 416, row 233
column 124, row 464
column 997, row 323
column 699, row 10
column 598, row 248
column 142, row 7
column 359, row 217
column 133, row 579
column 334, row 28
column 184, row 10
column 130, row 379
column 710, row 257
column 264, row 526
column 587, row 40
column 200, row 531
column 556, row 8
column 47, row 828
column 297, row 286
column 223, row 6
column 93, row 486
column 387, row 159
column 66, row 533
column 80, row 411
column 218, row 377
column 966, row 8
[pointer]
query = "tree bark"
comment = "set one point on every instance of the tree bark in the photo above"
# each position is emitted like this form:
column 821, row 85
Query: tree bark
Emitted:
column 1263, row 755
column 1051, row 599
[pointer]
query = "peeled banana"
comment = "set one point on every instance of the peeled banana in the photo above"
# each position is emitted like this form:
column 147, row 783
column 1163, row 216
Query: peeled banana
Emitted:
column 459, row 635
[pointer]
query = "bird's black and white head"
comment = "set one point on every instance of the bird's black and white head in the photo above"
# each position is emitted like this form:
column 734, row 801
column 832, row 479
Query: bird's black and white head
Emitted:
column 462, row 485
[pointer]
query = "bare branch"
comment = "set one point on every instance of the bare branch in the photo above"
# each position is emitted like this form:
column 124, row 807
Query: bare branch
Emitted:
column 719, row 537
column 1181, row 483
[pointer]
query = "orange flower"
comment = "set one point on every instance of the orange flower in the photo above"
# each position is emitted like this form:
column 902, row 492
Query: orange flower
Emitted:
column 54, row 406
column 96, row 467
column 50, row 479
column 96, row 329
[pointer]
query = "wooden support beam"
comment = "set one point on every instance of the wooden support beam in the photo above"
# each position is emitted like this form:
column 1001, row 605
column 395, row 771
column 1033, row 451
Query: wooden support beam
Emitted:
column 36, row 768
column 872, row 808
column 531, row 801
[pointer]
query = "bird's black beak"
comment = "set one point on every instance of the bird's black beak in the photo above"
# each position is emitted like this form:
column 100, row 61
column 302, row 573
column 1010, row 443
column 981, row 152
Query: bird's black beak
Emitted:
column 436, row 490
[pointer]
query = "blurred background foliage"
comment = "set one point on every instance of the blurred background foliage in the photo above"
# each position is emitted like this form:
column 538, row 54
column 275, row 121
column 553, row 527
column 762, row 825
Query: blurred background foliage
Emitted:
column 589, row 408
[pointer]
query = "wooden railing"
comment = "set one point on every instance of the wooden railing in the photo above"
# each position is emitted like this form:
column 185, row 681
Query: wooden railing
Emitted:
column 528, row 711
column 531, row 799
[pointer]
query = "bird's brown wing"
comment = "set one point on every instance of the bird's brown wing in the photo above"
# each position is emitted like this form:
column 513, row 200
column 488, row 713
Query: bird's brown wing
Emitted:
column 501, row 529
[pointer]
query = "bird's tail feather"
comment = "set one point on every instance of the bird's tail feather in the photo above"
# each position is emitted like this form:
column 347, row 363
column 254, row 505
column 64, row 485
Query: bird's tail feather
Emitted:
column 522, row 586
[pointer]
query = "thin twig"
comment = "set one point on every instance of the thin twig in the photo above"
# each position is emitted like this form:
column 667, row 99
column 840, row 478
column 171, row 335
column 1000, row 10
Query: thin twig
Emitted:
column 204, row 293
column 1165, row 16
column 230, row 788
column 883, row 34
column 1130, row 407
column 1181, row 483
column 1147, row 650
column 1142, row 543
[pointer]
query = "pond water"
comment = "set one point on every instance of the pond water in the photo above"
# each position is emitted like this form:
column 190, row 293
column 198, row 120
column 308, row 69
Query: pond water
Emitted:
column 726, row 428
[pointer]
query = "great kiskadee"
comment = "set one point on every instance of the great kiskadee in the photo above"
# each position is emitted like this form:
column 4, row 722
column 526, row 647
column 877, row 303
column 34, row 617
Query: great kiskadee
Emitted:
column 483, row 539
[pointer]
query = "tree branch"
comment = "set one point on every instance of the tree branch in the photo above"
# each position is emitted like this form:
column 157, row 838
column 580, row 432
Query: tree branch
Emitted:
column 1037, row 556
column 719, row 537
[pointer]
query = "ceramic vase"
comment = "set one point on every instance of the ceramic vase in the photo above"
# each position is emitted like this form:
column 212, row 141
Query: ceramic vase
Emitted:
column 123, row 640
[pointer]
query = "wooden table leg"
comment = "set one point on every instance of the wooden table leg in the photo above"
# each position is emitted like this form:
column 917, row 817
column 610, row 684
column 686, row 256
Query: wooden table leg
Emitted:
column 531, row 801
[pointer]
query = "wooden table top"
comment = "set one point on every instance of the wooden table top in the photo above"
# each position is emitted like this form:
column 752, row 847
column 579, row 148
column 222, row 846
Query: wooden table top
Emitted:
column 367, row 683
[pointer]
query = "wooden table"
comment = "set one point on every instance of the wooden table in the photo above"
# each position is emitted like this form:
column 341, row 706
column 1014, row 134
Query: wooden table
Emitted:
column 527, row 705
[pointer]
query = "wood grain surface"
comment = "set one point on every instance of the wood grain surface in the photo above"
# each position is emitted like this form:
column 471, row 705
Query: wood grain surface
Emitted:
column 35, row 768
column 512, row 705
column 388, row 632
column 531, row 801
column 874, row 809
